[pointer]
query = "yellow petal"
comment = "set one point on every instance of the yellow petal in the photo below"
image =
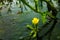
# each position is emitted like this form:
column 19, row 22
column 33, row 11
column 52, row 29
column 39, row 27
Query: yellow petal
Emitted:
column 35, row 20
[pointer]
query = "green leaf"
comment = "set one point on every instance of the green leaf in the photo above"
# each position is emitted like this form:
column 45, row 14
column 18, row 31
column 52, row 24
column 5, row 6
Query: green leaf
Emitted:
column 29, row 27
column 34, row 35
column 51, row 15
column 32, row 32
column 44, row 18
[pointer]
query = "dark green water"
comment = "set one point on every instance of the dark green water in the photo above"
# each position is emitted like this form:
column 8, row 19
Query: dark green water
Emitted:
column 13, row 26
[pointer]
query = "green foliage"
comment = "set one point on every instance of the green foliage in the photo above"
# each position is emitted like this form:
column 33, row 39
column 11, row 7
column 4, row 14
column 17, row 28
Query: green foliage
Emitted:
column 44, row 19
column 33, row 32
column 30, row 27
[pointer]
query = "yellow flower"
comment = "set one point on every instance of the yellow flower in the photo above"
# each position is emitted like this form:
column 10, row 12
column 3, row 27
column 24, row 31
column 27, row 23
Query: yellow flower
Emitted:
column 35, row 20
